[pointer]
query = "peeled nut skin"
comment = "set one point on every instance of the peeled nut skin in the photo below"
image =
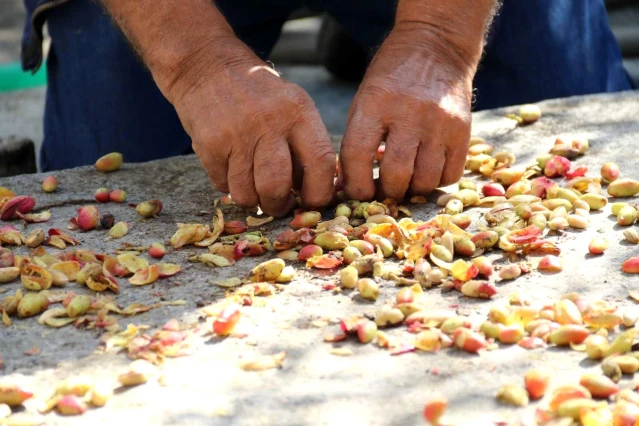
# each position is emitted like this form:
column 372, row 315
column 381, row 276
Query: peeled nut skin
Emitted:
column 287, row 275
column 7, row 258
column 148, row 209
column 13, row 395
column 513, row 395
column 388, row 316
column 119, row 230
column 10, row 208
column 58, row 279
column 71, row 405
column 9, row 274
column 138, row 373
column 75, row 385
column 227, row 320
column 35, row 238
column 10, row 304
column 631, row 235
column 5, row 411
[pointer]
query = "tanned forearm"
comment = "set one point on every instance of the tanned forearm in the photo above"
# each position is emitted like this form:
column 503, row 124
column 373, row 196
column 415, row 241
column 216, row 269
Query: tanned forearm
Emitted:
column 461, row 24
column 171, row 36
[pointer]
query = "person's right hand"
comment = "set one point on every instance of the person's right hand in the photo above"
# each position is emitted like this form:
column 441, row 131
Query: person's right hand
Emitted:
column 257, row 135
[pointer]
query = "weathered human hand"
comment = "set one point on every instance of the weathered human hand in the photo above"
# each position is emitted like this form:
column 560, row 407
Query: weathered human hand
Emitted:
column 257, row 135
column 416, row 96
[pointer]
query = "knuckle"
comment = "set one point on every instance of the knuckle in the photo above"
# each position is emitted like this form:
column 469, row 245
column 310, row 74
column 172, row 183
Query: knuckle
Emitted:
column 297, row 97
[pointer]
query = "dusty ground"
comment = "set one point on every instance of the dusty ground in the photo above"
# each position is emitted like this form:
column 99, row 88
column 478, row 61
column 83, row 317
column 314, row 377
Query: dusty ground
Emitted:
column 315, row 387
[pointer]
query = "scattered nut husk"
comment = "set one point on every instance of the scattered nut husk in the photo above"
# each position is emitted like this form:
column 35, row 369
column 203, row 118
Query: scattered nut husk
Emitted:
column 536, row 383
column 368, row 289
column 157, row 250
column 75, row 385
column 119, row 230
column 264, row 362
column 110, row 162
column 529, row 113
column 13, row 395
column 139, row 372
column 227, row 320
column 101, row 392
column 50, row 184
column 513, row 395
column 267, row 271
column 148, row 209
column 435, row 409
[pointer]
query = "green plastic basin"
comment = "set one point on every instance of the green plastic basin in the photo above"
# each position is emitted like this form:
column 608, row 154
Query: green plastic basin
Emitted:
column 13, row 78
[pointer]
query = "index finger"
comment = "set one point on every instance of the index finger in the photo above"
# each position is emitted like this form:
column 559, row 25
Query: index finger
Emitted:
column 363, row 136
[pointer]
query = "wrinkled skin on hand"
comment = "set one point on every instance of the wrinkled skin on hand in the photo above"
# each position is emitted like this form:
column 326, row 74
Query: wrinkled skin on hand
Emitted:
column 257, row 135
column 416, row 96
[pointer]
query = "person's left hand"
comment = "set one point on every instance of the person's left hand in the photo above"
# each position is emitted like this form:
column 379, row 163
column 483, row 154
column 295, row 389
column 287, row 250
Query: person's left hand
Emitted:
column 416, row 96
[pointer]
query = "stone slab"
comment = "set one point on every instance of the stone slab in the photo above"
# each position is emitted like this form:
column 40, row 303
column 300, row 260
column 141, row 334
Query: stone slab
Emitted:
column 315, row 387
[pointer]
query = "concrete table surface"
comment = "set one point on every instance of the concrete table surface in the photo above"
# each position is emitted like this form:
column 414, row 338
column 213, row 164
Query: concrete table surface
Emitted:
column 315, row 387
